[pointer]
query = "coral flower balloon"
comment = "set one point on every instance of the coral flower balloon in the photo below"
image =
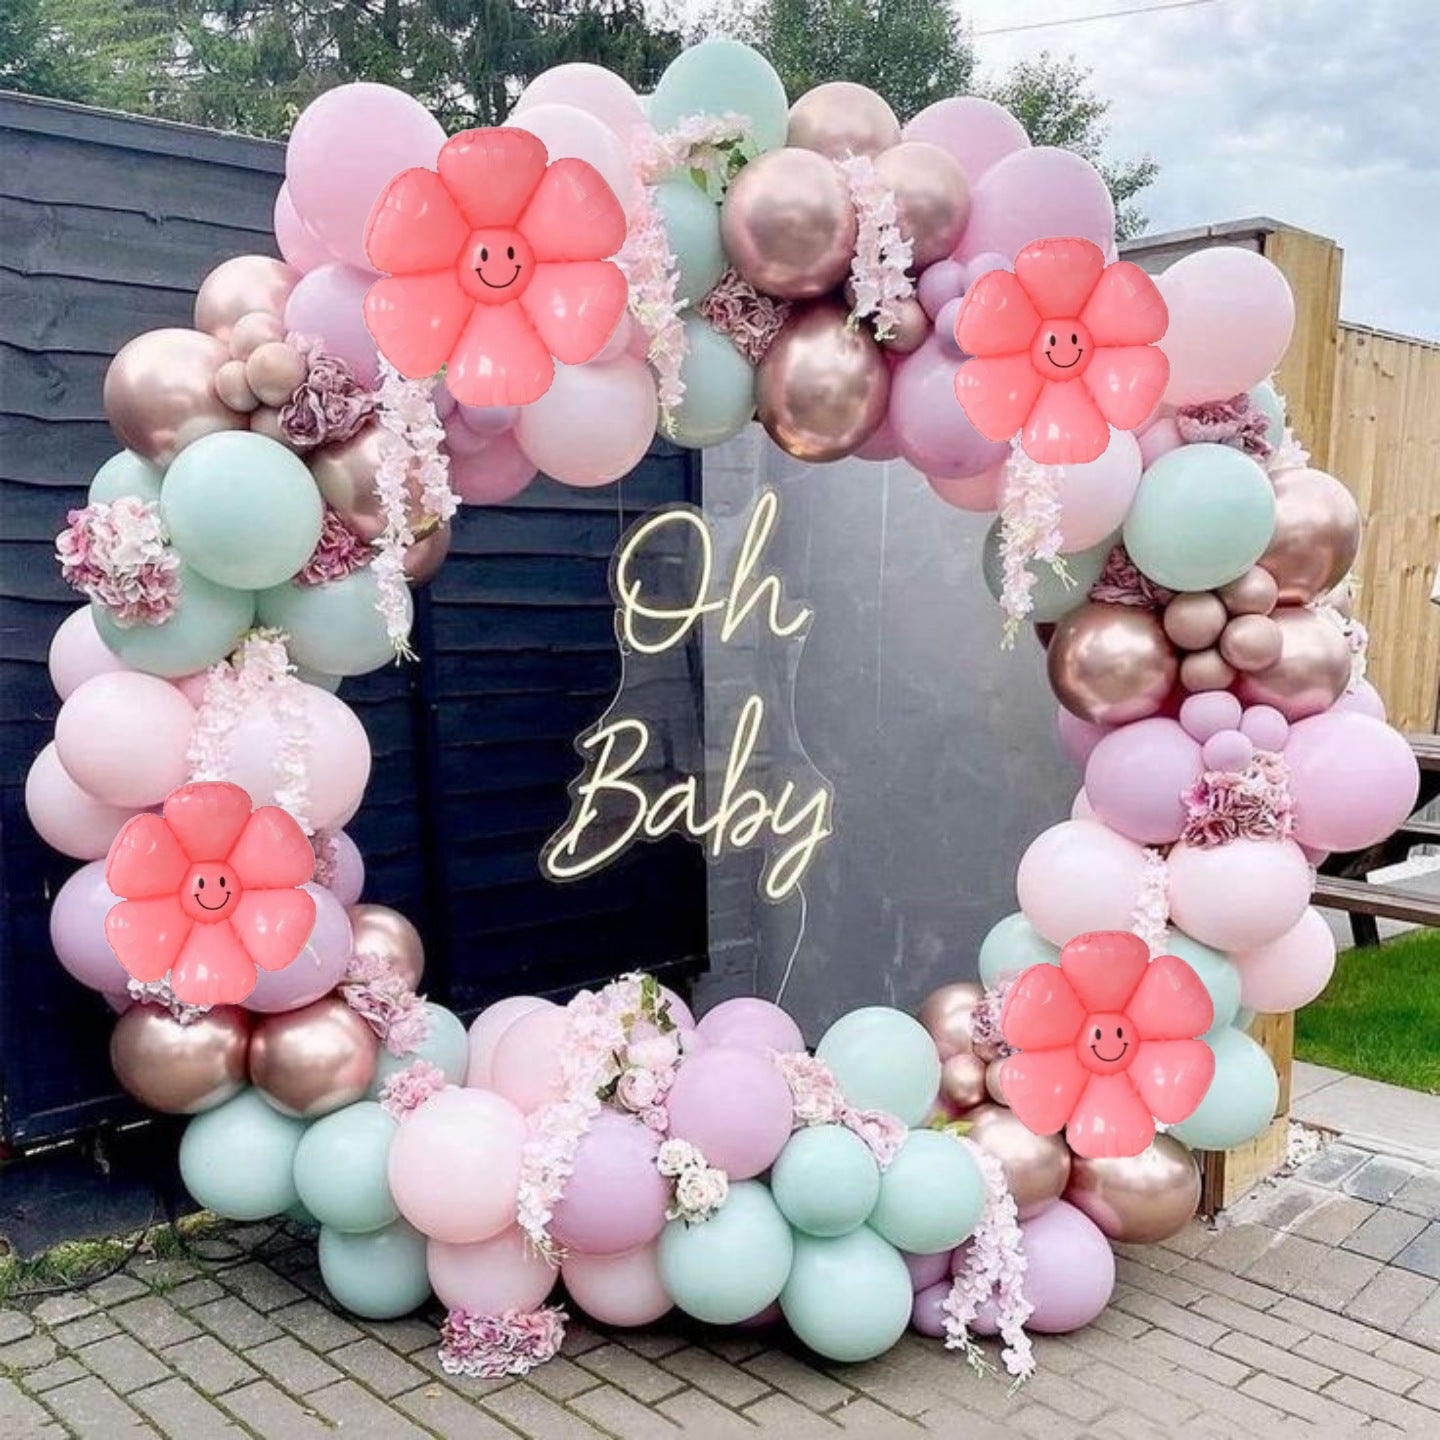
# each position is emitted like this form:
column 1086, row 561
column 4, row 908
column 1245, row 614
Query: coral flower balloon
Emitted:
column 210, row 891
column 1107, row 1044
column 1064, row 348
column 496, row 264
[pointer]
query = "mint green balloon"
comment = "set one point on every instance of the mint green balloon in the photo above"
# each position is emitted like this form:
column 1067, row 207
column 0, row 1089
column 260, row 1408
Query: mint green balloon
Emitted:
column 208, row 623
column 1266, row 397
column 719, row 388
column 126, row 474
column 733, row 1265
column 1051, row 596
column 239, row 1158
column 1241, row 1099
column 848, row 1299
column 692, row 229
column 1216, row 973
column 299, row 1215
column 1012, row 945
column 932, row 1194
column 825, row 1181
column 883, row 1059
column 333, row 627
column 723, row 77
column 242, row 509
column 318, row 678
column 340, row 1168
column 380, row 1275
column 447, row 1046
column 1203, row 515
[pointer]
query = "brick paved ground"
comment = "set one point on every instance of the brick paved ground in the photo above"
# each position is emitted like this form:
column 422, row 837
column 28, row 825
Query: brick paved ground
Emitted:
column 1315, row 1311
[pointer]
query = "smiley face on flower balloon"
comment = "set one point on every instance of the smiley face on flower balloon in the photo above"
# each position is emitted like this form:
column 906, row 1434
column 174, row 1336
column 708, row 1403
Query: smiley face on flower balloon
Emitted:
column 1107, row 1044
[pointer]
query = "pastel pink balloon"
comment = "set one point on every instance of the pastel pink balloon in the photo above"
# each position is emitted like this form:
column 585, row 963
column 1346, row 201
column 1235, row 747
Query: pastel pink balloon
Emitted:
column 593, row 425
column 525, row 1063
column 1077, row 877
column 1228, row 750
column 941, row 282
column 1078, row 738
column 976, row 133
column 976, row 493
column 618, row 1289
column 735, row 1106
column 1035, row 195
column 1354, row 780
column 123, row 737
column 487, row 1028
column 1267, row 728
column 488, row 421
column 1209, row 713
column 927, row 1314
column 628, row 334
column 1231, row 316
column 934, row 433
column 77, row 930
column 1135, row 778
column 1240, row 895
column 489, row 1277
column 1069, row 1269
column 1362, row 698
column 1096, row 497
column 1288, row 972
column 1158, row 438
column 347, row 883
column 193, row 687
column 328, row 305
column 454, row 1165
column 882, row 445
column 78, row 654
column 495, row 471
column 927, row 1270
column 66, row 817
column 1080, row 807
column 569, row 133
column 615, row 1198
column 317, row 969
column 298, row 243
column 680, row 1012
column 591, row 88
column 749, row 1023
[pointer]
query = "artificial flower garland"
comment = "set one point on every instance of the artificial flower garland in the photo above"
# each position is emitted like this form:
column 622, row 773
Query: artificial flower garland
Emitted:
column 880, row 269
column 651, row 272
column 1152, row 906
column 1030, row 515
column 817, row 1099
column 700, row 1188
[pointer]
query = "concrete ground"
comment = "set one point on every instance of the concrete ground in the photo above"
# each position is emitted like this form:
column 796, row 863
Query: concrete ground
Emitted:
column 1313, row 1310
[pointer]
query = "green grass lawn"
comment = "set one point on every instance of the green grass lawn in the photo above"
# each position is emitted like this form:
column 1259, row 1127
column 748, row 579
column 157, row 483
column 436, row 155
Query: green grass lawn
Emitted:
column 1380, row 1014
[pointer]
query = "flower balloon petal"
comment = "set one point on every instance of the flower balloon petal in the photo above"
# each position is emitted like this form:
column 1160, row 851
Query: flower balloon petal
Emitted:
column 1125, row 308
column 415, row 320
column 491, row 174
column 1066, row 425
column 1001, row 390
column 1059, row 277
column 1172, row 1076
column 416, row 226
column 570, row 304
column 1110, row 1120
column 146, row 859
column 207, row 820
column 267, row 922
column 146, row 935
column 501, row 355
column 1042, row 1011
column 1170, row 1002
column 1127, row 383
column 214, row 968
column 574, row 215
column 997, row 317
column 1043, row 1086
column 272, row 852
column 1105, row 968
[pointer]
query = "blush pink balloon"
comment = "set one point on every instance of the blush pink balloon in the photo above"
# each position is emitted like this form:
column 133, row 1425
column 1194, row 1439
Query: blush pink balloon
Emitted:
column 1078, row 738
column 1080, row 876
column 1096, row 497
column 977, row 493
column 298, row 243
column 1069, row 1269
column 66, row 817
column 78, row 654
column 749, row 1023
column 1080, row 806
column 939, row 283
column 328, row 305
column 615, row 1198
column 77, row 930
column 735, row 1106
column 882, row 445
column 495, row 471
column 347, row 880
column 1034, row 195
column 570, row 133
column 1158, row 438
column 488, row 421
column 489, row 1277
column 927, row 1313
column 525, row 1063
column 317, row 969
column 976, row 133
column 592, row 88
column 489, row 1026
column 618, row 1289
column 454, row 1165
column 934, row 433
column 1209, row 713
column 1362, row 698
column 593, row 425
column 1288, row 972
column 927, row 1270
column 1240, row 895
column 1136, row 776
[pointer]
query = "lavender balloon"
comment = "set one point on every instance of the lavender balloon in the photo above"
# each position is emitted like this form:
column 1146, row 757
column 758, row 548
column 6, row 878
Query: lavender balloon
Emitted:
column 748, row 1023
column 735, row 1106
column 615, row 1198
column 945, row 330
column 927, row 1315
column 940, row 283
column 77, row 930
column 318, row 968
column 935, row 434
column 1069, row 1269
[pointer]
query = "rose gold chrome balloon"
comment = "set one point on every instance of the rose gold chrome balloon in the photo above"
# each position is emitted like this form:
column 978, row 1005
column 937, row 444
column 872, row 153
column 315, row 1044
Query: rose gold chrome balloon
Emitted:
column 239, row 287
column 1138, row 1199
column 266, row 421
column 1251, row 643
column 931, row 195
column 1312, row 671
column 1111, row 664
column 160, row 393
column 274, row 370
column 993, row 1086
column 181, row 1069
column 841, row 119
column 425, row 557
column 234, row 389
column 788, row 224
column 912, row 331
column 1317, row 535
column 252, row 331
column 1254, row 593
column 1205, row 670
column 345, row 474
column 823, row 387
column 1037, row 1167
column 962, row 1082
column 313, row 1060
column 379, row 930
column 1194, row 621
column 946, row 1016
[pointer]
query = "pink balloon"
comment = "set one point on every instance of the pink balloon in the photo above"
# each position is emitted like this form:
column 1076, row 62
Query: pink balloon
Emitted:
column 1240, row 895
column 346, row 147
column 525, row 1063
column 1079, row 876
column 1158, row 438
column 317, row 969
column 66, row 817
column 934, row 433
column 1231, row 315
column 976, row 493
column 591, row 88
column 1353, row 779
column 487, row 1028
column 593, row 425
column 927, row 1314
column 615, row 1198
column 461, row 441
column 976, row 133
column 618, row 1289
column 1362, row 698
column 939, row 284
column 489, row 1277
column 1069, row 1269
column 328, row 305
column 1034, row 195
column 927, row 1270
column 569, row 133
column 1288, row 972
column 1209, row 713
column 1078, row 738
column 1135, row 778
column 488, row 421
column 193, row 687
column 1080, row 806
column 347, row 882
column 1229, row 750
column 748, row 1023
column 680, row 1012
column 497, row 470
column 78, row 654
column 1267, row 728
column 882, row 445
column 1096, row 497
column 735, row 1106
column 298, row 243
column 123, row 737
column 455, row 1165
column 77, row 930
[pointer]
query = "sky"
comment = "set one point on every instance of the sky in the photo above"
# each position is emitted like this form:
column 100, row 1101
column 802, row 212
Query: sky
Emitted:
column 1323, row 114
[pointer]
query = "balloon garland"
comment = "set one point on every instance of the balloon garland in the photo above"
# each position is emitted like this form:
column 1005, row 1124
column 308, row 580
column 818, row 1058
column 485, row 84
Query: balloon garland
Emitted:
column 282, row 488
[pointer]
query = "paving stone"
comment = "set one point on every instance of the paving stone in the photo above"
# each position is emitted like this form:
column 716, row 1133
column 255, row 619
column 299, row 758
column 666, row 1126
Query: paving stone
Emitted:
column 182, row 1413
column 1166, row 1285
column 154, row 1321
column 652, row 1344
column 1237, row 1248
column 1229, row 1314
column 1420, row 1196
column 123, row 1363
column 697, row 1414
column 209, row 1364
column 1427, row 1393
column 1191, row 1240
column 1385, row 1234
column 114, row 1290
column 1338, row 1216
column 1062, row 1394
column 727, row 1383
column 1287, row 1364
column 1349, row 1333
column 382, row 1370
column 1378, row 1179
column 1334, row 1417
column 1422, row 1254
column 355, row 1411
column 83, row 1332
column 1247, row 1411
column 1221, row 1282
column 1119, row 1324
column 620, row 1414
column 810, row 1387
column 560, row 1378
column 260, row 1286
column 631, row 1372
column 1423, row 1326
column 404, row 1336
column 292, row 1366
column 194, row 1292
column 1390, row 1299
column 1179, row 1351
column 235, row 1322
column 579, row 1338
column 1342, row 1359
column 538, row 1417
column 1332, row 1165
column 28, row 1354
column 445, row 1414
column 20, row 1416
column 1040, row 1422
column 1337, row 1280
column 91, row 1410
column 1372, row 1400
column 163, row 1276
column 57, row 1309
column 318, row 1326
column 58, row 1372
column 862, row 1417
column 784, row 1416
column 1419, row 1358
column 736, row 1348
column 274, row 1415
column 1162, row 1401
column 1168, row 1316
column 898, row 1383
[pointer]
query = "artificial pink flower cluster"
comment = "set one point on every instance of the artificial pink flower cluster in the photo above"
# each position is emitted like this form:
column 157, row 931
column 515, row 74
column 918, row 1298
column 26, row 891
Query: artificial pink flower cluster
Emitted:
column 708, row 148
column 1253, row 804
column 386, row 1002
column 329, row 406
column 118, row 555
column 649, row 1064
column 338, row 552
column 700, row 1188
column 488, row 1347
column 817, row 1100
column 1236, row 422
column 880, row 280
column 1121, row 583
column 651, row 271
column 985, row 1035
column 410, row 1088
column 750, row 320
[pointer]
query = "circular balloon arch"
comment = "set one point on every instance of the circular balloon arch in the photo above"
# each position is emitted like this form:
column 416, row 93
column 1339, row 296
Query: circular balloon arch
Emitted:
column 281, row 488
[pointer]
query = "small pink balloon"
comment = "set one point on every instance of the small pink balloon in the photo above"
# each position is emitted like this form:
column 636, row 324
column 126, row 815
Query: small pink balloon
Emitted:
column 495, row 471
column 618, row 1289
column 78, row 654
column 1362, row 698
column 1354, row 780
column 1136, row 778
column 486, row 1031
column 1080, row 876
column 1158, row 438
column 1078, row 738
column 615, row 1198
column 882, row 445
column 298, row 243
column 77, row 930
column 939, row 284
column 1240, row 895
column 976, row 493
column 1069, row 1269
column 66, row 817
column 192, row 687
column 1265, row 726
column 735, row 1106
column 1096, row 497
column 984, row 263
column 1209, row 713
column 1289, row 972
column 927, row 1314
column 489, row 1277
column 1229, row 750
column 927, row 1270
column 488, row 421
column 621, row 343
column 977, row 133
column 317, row 969
column 945, row 330
column 525, row 1064
column 1032, row 194
column 328, row 305
column 749, row 1023
column 1080, row 806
